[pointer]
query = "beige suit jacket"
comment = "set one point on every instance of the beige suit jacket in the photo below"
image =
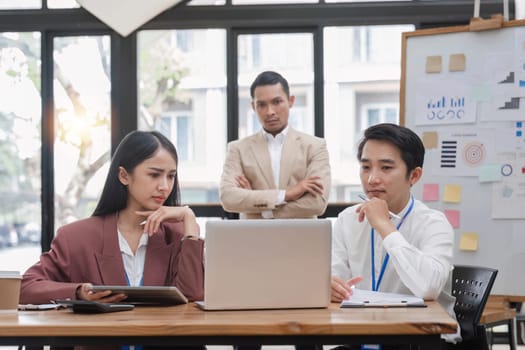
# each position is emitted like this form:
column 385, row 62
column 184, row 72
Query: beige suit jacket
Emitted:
column 302, row 156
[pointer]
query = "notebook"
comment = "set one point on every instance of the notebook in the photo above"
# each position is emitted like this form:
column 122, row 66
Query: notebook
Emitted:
column 267, row 264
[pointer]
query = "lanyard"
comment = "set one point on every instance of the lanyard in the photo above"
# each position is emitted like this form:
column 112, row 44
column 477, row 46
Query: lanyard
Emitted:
column 375, row 286
column 131, row 347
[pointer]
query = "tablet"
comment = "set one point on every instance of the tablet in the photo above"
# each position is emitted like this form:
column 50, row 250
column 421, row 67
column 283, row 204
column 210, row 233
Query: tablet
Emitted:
column 147, row 294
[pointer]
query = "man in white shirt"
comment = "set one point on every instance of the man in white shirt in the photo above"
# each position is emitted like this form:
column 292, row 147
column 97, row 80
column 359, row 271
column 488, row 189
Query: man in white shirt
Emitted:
column 277, row 172
column 409, row 252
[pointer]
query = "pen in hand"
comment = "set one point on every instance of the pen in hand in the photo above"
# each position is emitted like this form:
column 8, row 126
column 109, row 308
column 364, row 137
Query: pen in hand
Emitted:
column 366, row 199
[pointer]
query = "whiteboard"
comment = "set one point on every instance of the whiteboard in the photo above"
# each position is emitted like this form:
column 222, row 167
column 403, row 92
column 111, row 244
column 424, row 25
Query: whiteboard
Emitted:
column 463, row 93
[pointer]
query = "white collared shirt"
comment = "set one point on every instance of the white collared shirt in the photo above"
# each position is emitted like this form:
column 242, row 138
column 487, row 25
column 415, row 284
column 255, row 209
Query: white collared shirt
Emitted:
column 420, row 253
column 133, row 263
column 275, row 148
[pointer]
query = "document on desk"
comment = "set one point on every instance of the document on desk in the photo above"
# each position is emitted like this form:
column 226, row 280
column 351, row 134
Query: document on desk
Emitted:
column 366, row 298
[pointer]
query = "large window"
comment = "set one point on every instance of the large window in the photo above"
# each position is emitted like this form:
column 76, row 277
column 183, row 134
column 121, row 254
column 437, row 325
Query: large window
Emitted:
column 362, row 71
column 82, row 124
column 257, row 53
column 20, row 4
column 20, row 146
column 183, row 95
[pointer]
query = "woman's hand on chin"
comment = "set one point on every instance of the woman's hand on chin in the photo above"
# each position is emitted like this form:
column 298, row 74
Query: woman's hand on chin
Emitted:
column 178, row 214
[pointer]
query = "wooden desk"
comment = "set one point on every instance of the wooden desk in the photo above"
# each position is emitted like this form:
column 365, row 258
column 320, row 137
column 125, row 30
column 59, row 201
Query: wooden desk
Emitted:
column 188, row 325
column 499, row 311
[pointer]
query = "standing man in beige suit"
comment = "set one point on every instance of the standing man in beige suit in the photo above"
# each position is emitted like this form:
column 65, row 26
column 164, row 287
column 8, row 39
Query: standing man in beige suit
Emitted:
column 278, row 172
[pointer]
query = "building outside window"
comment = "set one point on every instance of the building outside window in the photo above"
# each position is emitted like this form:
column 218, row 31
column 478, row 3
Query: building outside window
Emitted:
column 20, row 149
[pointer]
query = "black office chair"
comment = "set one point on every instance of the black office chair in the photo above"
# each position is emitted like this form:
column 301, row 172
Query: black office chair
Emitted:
column 471, row 285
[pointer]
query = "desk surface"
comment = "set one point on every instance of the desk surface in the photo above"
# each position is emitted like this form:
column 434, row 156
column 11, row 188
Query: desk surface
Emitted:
column 188, row 320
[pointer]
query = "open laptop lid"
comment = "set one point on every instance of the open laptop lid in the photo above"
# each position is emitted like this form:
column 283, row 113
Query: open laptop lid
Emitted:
column 264, row 264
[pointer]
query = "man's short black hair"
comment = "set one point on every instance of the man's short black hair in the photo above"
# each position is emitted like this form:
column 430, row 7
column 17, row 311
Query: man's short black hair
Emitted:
column 409, row 144
column 270, row 78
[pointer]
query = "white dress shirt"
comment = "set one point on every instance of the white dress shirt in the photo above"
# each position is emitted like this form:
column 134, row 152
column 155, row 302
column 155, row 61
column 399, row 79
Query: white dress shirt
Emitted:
column 133, row 263
column 420, row 253
column 275, row 148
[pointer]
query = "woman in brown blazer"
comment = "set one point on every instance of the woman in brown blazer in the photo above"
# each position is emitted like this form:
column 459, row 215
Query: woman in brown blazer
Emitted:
column 139, row 234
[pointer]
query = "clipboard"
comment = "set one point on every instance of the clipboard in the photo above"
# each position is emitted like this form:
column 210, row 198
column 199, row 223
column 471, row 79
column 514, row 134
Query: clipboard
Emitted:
column 366, row 298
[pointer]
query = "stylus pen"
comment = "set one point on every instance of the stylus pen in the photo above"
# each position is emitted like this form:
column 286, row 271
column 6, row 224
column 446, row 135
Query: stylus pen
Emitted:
column 366, row 199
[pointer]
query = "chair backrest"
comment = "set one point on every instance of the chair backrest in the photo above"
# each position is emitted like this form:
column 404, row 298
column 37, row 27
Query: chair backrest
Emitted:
column 471, row 285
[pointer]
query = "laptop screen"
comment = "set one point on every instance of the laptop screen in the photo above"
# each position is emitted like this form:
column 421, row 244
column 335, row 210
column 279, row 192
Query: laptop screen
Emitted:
column 261, row 264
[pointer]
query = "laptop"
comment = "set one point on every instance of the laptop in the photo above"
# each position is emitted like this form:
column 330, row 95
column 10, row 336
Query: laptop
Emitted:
column 267, row 264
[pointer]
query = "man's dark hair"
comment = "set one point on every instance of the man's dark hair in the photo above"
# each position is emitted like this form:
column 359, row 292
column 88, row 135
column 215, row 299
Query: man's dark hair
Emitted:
column 408, row 143
column 270, row 78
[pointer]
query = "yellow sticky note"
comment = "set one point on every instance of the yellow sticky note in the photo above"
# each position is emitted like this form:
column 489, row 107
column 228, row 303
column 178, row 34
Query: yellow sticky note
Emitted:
column 452, row 194
column 457, row 62
column 468, row 241
column 430, row 139
column 433, row 64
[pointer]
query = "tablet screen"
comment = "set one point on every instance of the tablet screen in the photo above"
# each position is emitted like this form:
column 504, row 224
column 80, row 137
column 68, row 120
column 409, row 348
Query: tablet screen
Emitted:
column 147, row 294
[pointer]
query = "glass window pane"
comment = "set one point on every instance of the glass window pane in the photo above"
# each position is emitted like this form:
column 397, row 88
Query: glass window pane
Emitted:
column 20, row 4
column 20, row 147
column 362, row 70
column 294, row 62
column 62, row 4
column 182, row 93
column 82, row 124
column 206, row 2
column 268, row 2
column 341, row 1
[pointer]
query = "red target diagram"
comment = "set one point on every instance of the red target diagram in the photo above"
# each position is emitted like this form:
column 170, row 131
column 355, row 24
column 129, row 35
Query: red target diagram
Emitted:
column 473, row 153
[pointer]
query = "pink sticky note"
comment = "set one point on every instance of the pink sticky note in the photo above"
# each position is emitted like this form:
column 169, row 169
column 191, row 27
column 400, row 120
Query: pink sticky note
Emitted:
column 453, row 217
column 430, row 192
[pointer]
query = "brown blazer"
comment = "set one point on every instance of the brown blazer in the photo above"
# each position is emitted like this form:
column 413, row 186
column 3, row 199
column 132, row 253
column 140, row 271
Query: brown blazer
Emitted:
column 302, row 156
column 87, row 251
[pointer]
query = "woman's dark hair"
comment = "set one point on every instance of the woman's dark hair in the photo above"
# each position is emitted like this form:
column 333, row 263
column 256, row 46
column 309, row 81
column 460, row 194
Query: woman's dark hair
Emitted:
column 135, row 147
column 408, row 143
column 270, row 78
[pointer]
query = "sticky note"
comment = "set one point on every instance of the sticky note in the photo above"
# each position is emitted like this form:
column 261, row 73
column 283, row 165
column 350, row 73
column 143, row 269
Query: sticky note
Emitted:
column 490, row 173
column 457, row 62
column 452, row 194
column 468, row 241
column 430, row 192
column 430, row 139
column 433, row 64
column 453, row 217
column 481, row 92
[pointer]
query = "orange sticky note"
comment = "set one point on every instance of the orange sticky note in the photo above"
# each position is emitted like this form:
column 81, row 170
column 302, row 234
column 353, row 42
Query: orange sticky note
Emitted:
column 457, row 62
column 452, row 194
column 430, row 139
column 430, row 192
column 468, row 241
column 453, row 217
column 433, row 64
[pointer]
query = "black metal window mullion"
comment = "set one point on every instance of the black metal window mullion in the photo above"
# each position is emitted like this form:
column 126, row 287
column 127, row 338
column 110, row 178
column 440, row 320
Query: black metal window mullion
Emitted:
column 232, row 67
column 124, row 87
column 318, row 46
column 48, row 125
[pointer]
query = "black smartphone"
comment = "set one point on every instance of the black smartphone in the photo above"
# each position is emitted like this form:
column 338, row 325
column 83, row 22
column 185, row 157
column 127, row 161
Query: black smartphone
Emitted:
column 93, row 307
